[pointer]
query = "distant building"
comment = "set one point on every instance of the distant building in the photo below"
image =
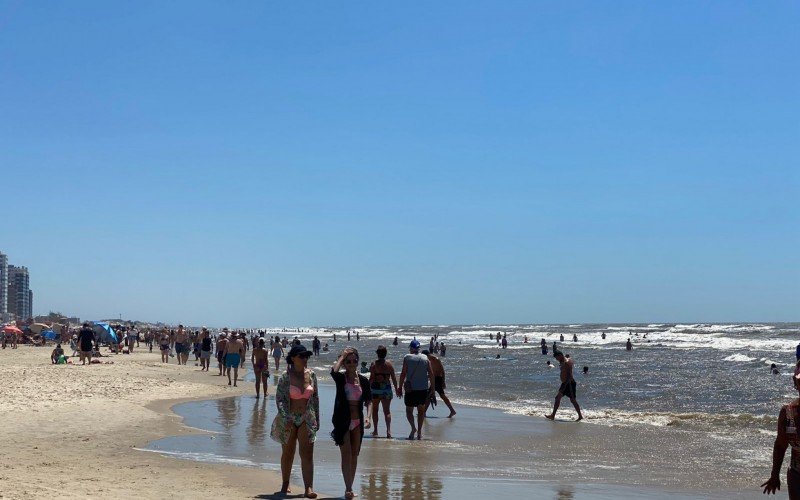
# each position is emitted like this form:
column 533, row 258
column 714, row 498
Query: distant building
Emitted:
column 20, row 296
column 4, row 316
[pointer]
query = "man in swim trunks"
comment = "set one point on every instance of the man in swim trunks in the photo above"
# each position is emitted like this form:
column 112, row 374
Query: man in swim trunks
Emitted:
column 221, row 344
column 181, row 346
column 205, row 350
column 234, row 352
column 382, row 382
column 419, row 387
column 259, row 358
column 568, row 386
column 439, row 384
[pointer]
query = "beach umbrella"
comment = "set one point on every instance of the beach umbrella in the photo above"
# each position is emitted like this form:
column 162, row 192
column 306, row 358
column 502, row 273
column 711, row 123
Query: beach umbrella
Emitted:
column 12, row 329
column 106, row 334
column 50, row 335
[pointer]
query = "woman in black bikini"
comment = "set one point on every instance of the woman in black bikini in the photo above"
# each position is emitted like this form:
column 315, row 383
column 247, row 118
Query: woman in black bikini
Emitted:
column 788, row 422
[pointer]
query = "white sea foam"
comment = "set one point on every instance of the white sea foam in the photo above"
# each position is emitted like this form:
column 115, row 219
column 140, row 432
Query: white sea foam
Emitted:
column 739, row 357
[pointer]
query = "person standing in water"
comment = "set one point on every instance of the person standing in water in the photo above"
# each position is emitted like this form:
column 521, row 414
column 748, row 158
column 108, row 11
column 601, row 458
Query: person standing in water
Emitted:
column 568, row 386
column 628, row 345
column 349, row 421
column 260, row 359
column 297, row 421
column 788, row 435
column 382, row 384
column 439, row 383
column 418, row 388
column 277, row 352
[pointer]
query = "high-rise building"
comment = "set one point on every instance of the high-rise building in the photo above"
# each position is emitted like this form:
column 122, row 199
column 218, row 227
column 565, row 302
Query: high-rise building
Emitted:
column 4, row 316
column 19, row 292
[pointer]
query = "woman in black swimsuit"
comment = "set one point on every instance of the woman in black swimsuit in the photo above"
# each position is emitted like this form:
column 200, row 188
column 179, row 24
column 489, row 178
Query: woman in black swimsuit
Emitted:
column 788, row 422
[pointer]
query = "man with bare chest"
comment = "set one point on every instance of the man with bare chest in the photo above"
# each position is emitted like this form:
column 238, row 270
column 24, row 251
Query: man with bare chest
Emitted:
column 568, row 385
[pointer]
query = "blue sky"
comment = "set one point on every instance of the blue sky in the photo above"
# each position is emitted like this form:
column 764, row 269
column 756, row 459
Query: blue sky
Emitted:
column 266, row 163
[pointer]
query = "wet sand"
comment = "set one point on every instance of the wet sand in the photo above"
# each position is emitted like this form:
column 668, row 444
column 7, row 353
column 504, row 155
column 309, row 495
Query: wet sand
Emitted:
column 479, row 453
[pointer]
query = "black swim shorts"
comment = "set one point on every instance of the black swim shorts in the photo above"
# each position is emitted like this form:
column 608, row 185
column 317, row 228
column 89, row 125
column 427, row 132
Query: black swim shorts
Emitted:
column 568, row 389
column 415, row 398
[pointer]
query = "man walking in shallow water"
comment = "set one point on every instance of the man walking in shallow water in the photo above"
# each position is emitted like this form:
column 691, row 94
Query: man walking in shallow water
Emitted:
column 568, row 386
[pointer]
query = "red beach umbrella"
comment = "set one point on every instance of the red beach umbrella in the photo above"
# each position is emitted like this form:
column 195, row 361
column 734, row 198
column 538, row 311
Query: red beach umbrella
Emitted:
column 12, row 329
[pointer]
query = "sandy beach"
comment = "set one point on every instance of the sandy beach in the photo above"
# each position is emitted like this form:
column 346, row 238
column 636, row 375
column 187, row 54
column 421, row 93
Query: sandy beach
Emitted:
column 70, row 431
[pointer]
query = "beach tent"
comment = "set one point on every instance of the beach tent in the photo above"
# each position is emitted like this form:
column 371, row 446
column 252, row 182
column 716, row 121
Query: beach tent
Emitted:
column 105, row 333
column 50, row 335
column 38, row 328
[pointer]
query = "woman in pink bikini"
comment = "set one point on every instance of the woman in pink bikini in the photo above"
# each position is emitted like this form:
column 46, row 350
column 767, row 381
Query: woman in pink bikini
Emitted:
column 788, row 435
column 297, row 421
column 352, row 395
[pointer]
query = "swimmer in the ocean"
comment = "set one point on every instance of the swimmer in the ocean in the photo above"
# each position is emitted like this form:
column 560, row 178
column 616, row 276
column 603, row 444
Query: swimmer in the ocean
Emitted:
column 774, row 369
column 497, row 357
column 549, row 364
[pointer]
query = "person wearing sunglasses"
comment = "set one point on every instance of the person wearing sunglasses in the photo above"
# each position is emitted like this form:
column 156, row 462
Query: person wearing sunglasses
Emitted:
column 297, row 421
column 352, row 395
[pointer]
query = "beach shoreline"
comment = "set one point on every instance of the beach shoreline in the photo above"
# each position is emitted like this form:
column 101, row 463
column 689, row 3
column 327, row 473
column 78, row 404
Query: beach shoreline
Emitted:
column 73, row 430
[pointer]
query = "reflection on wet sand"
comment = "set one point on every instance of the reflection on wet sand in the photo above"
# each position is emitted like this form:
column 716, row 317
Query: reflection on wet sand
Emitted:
column 228, row 409
column 256, row 433
column 410, row 484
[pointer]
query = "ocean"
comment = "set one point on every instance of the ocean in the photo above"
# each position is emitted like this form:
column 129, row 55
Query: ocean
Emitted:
column 692, row 407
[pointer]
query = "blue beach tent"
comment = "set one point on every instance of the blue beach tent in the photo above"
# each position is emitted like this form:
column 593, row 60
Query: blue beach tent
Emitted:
column 50, row 335
column 105, row 333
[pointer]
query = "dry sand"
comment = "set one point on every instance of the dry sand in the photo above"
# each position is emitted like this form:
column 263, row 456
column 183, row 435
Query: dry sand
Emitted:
column 70, row 431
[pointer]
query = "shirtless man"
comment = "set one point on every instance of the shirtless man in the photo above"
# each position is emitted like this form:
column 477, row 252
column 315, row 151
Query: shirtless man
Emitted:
column 221, row 343
column 438, row 376
column 234, row 352
column 181, row 346
column 568, row 385
column 260, row 360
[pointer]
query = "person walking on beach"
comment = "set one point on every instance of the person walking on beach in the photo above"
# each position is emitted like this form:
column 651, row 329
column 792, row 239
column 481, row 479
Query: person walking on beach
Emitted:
column 277, row 352
column 221, row 347
column 297, row 420
column 568, row 385
column 181, row 346
column 234, row 352
column 85, row 342
column 383, row 384
column 205, row 350
column 163, row 345
column 439, row 383
column 418, row 388
column 788, row 435
column 352, row 395
column 260, row 360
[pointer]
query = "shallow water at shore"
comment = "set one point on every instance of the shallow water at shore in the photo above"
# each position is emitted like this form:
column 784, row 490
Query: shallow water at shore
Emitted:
column 479, row 453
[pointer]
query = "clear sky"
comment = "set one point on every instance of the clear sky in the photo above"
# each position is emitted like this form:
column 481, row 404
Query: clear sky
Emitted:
column 327, row 163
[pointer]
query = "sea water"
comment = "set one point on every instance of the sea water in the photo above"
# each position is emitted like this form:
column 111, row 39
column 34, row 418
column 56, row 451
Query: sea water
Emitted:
column 696, row 402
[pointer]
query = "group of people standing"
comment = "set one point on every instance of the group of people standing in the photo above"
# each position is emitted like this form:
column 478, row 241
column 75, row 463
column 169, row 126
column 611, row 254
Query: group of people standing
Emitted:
column 358, row 397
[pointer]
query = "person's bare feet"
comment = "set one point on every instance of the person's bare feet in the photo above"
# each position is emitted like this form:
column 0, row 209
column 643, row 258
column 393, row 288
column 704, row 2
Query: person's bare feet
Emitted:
column 411, row 436
column 580, row 417
column 419, row 435
column 550, row 417
column 310, row 493
column 452, row 414
column 388, row 436
column 349, row 494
